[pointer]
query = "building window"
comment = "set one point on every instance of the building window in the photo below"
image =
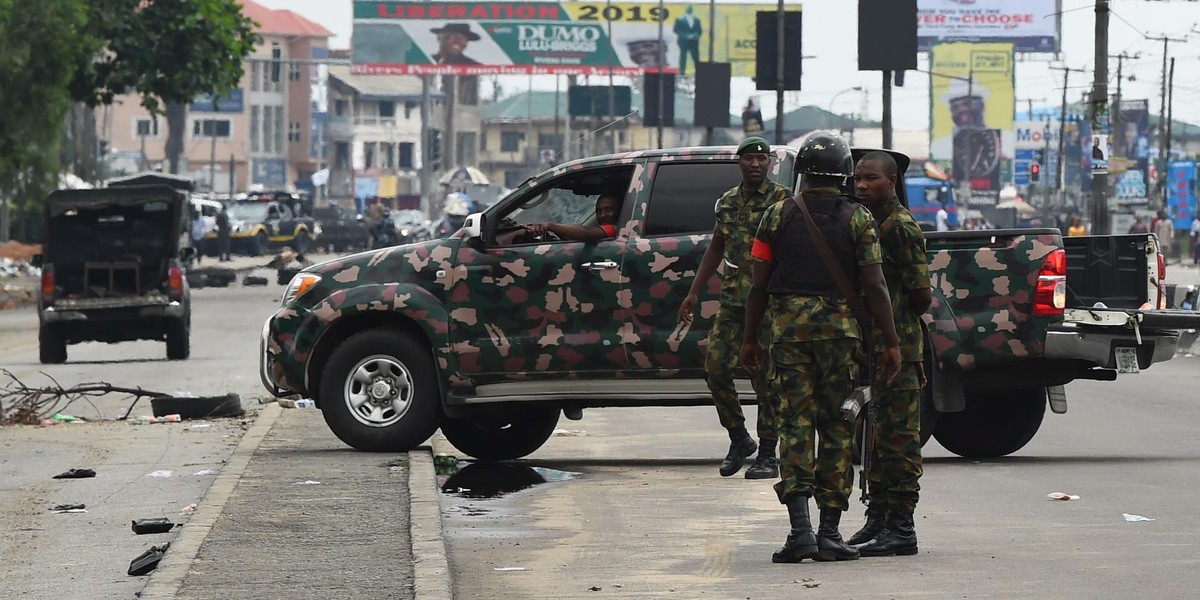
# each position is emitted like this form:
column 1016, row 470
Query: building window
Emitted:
column 389, row 156
column 279, row 130
column 549, row 141
column 369, row 155
column 512, row 179
column 294, row 132
column 510, row 141
column 341, row 155
column 145, row 127
column 340, row 107
column 406, row 155
column 409, row 107
column 256, row 78
column 268, row 129
column 293, row 72
column 483, row 141
column 255, row 129
column 464, row 148
column 210, row 128
column 468, row 90
column 387, row 110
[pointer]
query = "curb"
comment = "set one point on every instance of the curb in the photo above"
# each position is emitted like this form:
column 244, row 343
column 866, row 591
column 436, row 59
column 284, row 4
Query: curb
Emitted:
column 431, row 567
column 166, row 580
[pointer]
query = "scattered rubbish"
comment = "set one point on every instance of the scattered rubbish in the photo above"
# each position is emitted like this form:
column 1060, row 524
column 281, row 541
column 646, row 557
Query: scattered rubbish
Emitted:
column 182, row 394
column 61, row 418
column 39, row 451
column 1135, row 518
column 48, row 422
column 445, row 464
column 570, row 432
column 30, row 405
column 148, row 560
column 254, row 280
column 156, row 525
column 293, row 403
column 162, row 474
column 206, row 472
column 595, row 588
column 807, row 582
column 509, row 569
column 1061, row 496
column 307, row 482
column 200, row 426
column 189, row 509
column 76, row 474
column 69, row 508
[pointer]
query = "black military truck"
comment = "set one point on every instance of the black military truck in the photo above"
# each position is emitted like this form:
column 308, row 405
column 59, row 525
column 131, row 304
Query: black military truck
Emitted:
column 113, row 269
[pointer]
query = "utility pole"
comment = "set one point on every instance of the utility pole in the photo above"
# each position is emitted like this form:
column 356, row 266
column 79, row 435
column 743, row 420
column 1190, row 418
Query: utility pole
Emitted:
column 1062, row 119
column 1119, row 98
column 212, row 159
column 612, row 92
column 780, row 50
column 1162, row 108
column 712, row 33
column 450, row 85
column 426, row 171
column 887, row 110
column 662, row 61
column 1170, row 124
column 1100, row 116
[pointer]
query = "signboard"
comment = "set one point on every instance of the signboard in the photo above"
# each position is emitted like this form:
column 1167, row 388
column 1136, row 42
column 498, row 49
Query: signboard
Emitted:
column 1099, row 154
column 1030, row 25
column 1181, row 194
column 972, row 89
column 232, row 101
column 269, row 171
column 569, row 38
column 1035, row 135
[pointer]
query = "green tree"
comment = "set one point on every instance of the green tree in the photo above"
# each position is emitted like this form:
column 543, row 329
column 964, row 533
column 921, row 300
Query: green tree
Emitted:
column 167, row 51
column 39, row 43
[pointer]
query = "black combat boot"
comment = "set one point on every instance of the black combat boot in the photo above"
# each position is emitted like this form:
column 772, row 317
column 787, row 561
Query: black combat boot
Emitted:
column 876, row 519
column 741, row 445
column 766, row 466
column 898, row 538
column 801, row 542
column 830, row 546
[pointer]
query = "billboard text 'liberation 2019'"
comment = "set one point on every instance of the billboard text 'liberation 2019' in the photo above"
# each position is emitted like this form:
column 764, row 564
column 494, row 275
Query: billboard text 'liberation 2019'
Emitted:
column 446, row 10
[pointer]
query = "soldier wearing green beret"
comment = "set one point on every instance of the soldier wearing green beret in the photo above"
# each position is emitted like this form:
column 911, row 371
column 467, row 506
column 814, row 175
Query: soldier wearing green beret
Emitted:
column 738, row 212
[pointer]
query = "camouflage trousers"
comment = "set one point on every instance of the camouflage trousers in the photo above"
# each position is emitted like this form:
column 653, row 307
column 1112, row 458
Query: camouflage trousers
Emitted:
column 720, row 364
column 811, row 380
column 896, row 460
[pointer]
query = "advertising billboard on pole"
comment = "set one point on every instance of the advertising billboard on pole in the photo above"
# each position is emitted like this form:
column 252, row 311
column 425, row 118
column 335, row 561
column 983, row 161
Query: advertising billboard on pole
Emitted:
column 1030, row 25
column 569, row 38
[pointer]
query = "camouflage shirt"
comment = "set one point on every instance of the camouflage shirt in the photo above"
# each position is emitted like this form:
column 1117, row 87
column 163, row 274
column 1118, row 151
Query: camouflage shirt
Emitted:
column 809, row 318
column 737, row 218
column 905, row 268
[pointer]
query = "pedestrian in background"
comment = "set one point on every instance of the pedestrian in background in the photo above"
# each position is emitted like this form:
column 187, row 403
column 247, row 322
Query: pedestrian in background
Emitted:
column 224, row 230
column 738, row 212
column 814, row 336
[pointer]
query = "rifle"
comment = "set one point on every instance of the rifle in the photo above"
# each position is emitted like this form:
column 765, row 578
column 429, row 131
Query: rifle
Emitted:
column 861, row 396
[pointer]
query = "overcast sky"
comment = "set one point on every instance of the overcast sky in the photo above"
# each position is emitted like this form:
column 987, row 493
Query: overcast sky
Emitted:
column 830, row 35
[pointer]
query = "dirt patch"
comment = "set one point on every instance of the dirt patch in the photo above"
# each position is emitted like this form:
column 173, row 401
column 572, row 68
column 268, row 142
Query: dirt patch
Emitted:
column 19, row 252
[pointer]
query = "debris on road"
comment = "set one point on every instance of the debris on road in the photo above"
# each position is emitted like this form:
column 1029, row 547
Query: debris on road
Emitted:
column 569, row 432
column 61, row 508
column 301, row 403
column 1061, row 496
column 254, row 281
column 61, row 418
column 807, row 582
column 509, row 569
column 204, row 407
column 148, row 560
column 27, row 405
column 161, row 474
column 76, row 474
column 307, row 482
column 1135, row 518
column 595, row 588
column 206, row 472
column 145, row 420
column 189, row 509
column 155, row 525
column 211, row 277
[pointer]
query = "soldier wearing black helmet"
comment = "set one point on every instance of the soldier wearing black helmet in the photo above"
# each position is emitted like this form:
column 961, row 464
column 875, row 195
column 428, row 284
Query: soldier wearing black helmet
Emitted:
column 814, row 336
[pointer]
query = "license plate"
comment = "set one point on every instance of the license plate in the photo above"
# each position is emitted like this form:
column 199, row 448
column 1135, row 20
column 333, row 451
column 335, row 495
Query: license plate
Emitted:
column 1127, row 361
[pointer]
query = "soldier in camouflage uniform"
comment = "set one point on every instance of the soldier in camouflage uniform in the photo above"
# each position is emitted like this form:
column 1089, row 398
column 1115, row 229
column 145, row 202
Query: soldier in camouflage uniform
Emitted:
column 738, row 213
column 896, row 464
column 813, row 339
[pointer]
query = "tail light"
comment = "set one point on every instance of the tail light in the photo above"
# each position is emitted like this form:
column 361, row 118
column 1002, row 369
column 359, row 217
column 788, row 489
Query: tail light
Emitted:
column 1162, row 281
column 175, row 283
column 1050, row 299
column 48, row 284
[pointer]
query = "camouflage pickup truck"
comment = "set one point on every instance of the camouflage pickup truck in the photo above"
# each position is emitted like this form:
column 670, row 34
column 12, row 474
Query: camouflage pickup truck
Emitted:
column 491, row 334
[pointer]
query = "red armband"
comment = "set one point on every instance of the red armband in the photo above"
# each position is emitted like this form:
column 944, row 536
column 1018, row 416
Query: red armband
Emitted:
column 762, row 250
column 609, row 230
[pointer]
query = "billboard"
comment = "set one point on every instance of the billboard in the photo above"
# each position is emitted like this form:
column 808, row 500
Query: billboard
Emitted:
column 1030, row 25
column 232, row 101
column 569, row 38
column 972, row 110
column 1181, row 194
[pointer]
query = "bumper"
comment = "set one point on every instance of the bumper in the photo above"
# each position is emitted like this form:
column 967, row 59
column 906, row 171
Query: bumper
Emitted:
column 1098, row 347
column 266, row 363
column 59, row 314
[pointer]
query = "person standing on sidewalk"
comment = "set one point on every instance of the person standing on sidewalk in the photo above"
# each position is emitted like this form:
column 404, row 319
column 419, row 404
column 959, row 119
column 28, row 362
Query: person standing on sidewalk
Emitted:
column 800, row 269
column 896, row 461
column 738, row 213
column 224, row 230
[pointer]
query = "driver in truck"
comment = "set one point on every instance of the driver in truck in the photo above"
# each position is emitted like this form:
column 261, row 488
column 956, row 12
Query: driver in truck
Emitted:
column 608, row 207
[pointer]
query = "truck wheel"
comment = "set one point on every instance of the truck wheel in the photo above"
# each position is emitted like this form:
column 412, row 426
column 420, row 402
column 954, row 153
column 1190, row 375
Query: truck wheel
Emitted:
column 179, row 345
column 258, row 247
column 52, row 346
column 379, row 391
column 995, row 423
column 301, row 243
column 514, row 433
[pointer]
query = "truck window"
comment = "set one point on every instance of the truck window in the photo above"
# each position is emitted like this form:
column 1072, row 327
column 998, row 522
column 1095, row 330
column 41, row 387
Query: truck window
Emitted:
column 683, row 196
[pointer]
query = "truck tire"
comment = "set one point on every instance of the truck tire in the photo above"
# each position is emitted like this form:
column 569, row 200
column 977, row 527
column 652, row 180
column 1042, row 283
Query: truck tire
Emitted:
column 515, row 433
column 259, row 245
column 995, row 423
column 379, row 391
column 52, row 346
column 301, row 243
column 179, row 344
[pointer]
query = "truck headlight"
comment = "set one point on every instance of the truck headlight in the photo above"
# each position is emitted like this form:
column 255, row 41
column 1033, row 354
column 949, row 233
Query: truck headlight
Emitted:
column 298, row 286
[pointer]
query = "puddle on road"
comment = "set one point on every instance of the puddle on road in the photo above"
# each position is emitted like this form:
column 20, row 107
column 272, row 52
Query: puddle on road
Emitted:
column 492, row 480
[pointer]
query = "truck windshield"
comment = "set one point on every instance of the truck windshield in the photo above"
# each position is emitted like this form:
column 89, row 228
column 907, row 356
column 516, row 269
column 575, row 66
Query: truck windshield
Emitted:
column 248, row 211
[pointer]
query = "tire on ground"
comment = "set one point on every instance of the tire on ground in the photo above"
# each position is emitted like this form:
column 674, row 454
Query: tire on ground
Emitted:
column 204, row 407
column 995, row 423
column 515, row 432
column 386, row 430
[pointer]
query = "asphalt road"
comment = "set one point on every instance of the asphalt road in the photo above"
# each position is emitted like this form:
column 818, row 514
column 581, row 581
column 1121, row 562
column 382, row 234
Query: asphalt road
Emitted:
column 640, row 512
column 86, row 555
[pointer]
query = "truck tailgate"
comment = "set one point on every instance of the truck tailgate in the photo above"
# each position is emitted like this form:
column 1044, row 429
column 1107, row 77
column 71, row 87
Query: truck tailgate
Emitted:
column 1112, row 270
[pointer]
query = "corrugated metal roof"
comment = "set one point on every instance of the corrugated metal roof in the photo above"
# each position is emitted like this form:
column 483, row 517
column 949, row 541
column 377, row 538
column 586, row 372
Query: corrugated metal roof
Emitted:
column 378, row 86
column 517, row 108
column 282, row 22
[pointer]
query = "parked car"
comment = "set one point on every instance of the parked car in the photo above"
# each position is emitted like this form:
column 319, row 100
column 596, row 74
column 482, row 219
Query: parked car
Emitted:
column 411, row 226
column 113, row 269
column 259, row 226
column 341, row 228
column 492, row 340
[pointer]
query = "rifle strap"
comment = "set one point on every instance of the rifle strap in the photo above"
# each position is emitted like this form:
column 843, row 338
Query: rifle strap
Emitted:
column 858, row 307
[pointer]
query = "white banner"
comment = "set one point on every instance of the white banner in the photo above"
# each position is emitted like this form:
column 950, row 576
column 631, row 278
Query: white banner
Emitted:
column 1032, row 25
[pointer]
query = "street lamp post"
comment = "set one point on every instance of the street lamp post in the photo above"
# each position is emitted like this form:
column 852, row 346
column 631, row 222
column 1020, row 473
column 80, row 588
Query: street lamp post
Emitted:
column 829, row 113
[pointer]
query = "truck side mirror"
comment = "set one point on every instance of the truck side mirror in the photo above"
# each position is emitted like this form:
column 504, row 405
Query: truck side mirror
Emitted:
column 473, row 226
column 36, row 260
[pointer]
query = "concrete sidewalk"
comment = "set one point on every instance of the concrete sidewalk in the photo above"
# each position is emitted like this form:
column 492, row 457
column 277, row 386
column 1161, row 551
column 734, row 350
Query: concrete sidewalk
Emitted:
column 298, row 514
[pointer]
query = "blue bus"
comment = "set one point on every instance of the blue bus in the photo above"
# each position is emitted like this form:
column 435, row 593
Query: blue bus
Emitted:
column 925, row 196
